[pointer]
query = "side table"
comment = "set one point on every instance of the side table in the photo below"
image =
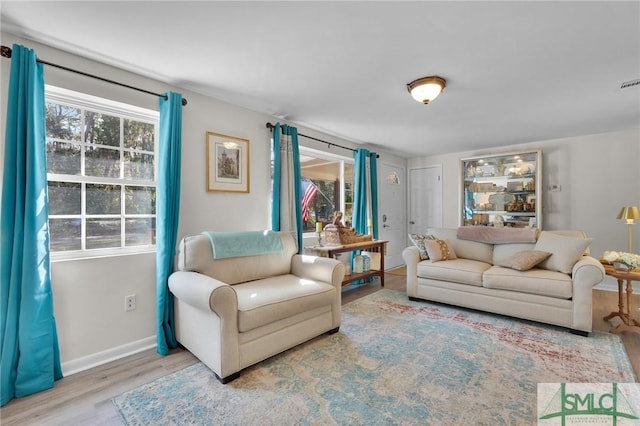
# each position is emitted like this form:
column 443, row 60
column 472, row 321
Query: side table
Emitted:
column 377, row 246
column 628, row 322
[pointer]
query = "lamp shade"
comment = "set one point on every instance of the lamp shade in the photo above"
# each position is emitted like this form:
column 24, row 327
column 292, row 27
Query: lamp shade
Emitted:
column 426, row 89
column 629, row 213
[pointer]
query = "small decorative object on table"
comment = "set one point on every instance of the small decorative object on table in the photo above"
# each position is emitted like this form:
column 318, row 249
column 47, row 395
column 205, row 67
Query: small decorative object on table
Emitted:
column 319, row 231
column 621, row 261
column 338, row 234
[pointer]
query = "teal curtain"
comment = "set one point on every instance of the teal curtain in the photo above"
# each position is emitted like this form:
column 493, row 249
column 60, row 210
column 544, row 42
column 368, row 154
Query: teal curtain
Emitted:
column 286, row 208
column 30, row 357
column 365, row 192
column 167, row 215
column 373, row 186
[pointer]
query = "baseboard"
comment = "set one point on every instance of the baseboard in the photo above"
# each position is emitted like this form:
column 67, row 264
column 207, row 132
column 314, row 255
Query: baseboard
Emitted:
column 81, row 364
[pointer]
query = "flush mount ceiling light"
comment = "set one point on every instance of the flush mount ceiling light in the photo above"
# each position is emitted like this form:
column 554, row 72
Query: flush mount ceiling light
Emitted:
column 426, row 89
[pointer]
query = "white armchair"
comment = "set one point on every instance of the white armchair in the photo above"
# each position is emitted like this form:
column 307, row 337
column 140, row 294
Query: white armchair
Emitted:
column 234, row 312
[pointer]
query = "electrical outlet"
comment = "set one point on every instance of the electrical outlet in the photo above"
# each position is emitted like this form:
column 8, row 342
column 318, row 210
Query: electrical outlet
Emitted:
column 130, row 303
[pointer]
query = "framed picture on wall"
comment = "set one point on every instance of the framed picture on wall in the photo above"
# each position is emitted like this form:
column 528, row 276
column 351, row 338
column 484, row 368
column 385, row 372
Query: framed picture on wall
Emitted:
column 227, row 163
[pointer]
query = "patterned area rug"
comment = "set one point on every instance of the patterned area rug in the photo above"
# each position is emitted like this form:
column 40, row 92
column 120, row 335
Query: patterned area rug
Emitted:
column 393, row 362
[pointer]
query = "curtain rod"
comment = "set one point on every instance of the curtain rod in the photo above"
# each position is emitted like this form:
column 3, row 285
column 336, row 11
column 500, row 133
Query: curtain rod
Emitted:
column 271, row 127
column 6, row 53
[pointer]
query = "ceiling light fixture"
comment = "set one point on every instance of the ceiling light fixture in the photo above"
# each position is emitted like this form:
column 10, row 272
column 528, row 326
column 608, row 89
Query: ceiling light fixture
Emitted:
column 426, row 89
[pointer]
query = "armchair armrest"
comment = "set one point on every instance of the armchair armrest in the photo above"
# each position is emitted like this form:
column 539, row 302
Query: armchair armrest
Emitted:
column 204, row 292
column 318, row 268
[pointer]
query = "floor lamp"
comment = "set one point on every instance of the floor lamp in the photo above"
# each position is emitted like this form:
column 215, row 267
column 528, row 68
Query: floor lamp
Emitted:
column 629, row 213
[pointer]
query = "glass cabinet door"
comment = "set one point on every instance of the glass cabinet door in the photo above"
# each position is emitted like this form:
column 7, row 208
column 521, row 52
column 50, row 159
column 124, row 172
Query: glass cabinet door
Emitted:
column 502, row 190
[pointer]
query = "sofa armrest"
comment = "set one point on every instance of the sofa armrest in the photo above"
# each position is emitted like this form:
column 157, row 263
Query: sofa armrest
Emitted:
column 204, row 292
column 411, row 256
column 586, row 273
column 318, row 268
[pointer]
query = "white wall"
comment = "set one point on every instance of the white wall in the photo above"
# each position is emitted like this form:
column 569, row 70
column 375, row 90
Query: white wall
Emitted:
column 89, row 294
column 598, row 174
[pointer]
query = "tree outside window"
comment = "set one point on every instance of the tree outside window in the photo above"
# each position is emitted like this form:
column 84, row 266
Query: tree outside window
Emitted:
column 101, row 173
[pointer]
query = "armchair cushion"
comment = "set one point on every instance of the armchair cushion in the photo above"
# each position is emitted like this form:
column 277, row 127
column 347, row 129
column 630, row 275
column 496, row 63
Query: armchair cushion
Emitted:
column 275, row 298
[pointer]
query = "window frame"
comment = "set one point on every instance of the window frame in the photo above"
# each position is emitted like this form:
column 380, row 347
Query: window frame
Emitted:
column 329, row 156
column 123, row 111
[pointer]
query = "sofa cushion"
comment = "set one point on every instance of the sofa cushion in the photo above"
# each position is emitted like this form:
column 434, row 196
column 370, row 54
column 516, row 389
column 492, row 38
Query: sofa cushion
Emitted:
column 566, row 251
column 464, row 271
column 464, row 248
column 524, row 260
column 420, row 241
column 572, row 233
column 440, row 250
column 534, row 281
column 271, row 299
column 503, row 251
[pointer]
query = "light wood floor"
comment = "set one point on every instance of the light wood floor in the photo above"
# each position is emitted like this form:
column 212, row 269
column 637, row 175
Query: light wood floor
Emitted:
column 85, row 398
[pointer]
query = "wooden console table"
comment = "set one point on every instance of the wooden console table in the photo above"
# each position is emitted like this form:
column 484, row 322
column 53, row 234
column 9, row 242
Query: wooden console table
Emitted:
column 628, row 322
column 376, row 246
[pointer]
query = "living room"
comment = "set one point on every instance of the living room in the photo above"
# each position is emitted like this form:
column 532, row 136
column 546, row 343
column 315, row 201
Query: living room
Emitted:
column 597, row 172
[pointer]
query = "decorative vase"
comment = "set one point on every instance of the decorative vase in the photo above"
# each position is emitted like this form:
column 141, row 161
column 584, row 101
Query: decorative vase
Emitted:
column 366, row 263
column 357, row 264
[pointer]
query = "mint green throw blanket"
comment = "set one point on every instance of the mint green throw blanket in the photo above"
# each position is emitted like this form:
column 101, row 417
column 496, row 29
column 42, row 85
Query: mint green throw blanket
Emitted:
column 247, row 243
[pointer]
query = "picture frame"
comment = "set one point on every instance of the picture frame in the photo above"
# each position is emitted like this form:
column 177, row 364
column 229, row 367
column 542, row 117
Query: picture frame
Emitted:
column 227, row 163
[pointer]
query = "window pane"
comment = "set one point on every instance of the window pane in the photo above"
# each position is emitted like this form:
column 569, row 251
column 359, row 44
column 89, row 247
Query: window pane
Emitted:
column 140, row 231
column 102, row 162
column 140, row 200
column 320, row 190
column 64, row 198
column 138, row 135
column 65, row 234
column 103, row 233
column 63, row 158
column 102, row 129
column 138, row 166
column 63, row 122
column 103, row 199
column 92, row 152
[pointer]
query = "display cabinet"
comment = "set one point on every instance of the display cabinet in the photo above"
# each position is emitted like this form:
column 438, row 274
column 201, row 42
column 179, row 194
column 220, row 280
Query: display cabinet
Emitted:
column 502, row 190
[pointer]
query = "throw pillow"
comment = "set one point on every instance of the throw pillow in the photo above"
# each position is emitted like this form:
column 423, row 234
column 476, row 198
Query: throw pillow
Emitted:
column 420, row 241
column 565, row 251
column 524, row 260
column 440, row 250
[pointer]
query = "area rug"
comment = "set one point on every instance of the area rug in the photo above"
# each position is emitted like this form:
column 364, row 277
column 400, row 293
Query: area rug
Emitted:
column 394, row 361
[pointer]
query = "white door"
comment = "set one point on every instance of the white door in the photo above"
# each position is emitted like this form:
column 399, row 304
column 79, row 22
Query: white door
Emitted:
column 425, row 199
column 392, row 212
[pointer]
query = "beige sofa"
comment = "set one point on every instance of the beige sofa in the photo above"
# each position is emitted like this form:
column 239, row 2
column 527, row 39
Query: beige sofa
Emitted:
column 234, row 312
column 474, row 281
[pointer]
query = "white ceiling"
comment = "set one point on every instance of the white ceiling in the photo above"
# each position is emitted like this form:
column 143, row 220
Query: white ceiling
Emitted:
column 516, row 71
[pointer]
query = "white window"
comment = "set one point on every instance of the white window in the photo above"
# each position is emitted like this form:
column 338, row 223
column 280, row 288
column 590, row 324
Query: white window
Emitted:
column 332, row 176
column 101, row 164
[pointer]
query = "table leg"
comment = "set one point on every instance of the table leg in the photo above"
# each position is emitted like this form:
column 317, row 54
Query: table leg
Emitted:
column 630, row 320
column 628, row 323
column 620, row 312
column 381, row 251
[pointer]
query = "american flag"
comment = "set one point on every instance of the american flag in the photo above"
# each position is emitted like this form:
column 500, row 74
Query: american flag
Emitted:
column 309, row 191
